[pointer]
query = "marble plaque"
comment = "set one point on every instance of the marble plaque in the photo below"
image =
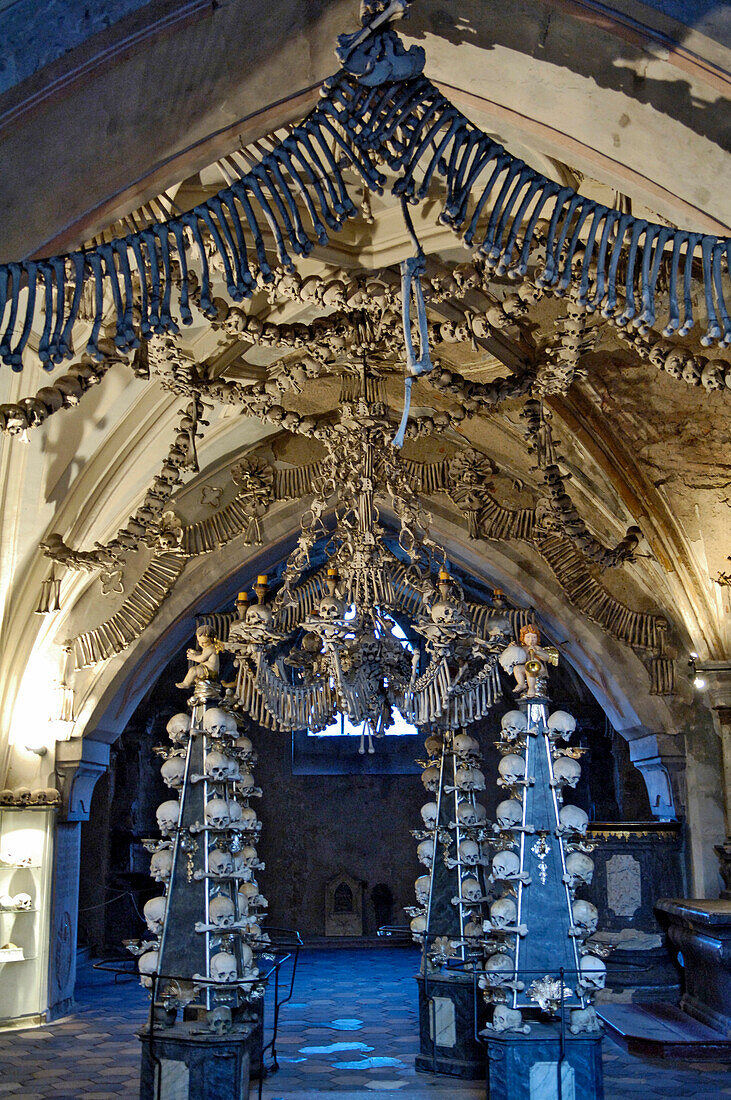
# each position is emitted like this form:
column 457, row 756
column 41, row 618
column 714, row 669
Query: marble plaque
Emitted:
column 174, row 1080
column 444, row 1022
column 624, row 885
column 543, row 1081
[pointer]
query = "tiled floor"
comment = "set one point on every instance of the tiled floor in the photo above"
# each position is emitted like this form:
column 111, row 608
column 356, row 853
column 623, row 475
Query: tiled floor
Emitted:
column 364, row 997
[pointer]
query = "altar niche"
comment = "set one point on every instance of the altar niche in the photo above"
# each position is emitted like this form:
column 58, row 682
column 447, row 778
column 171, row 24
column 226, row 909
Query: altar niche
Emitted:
column 344, row 906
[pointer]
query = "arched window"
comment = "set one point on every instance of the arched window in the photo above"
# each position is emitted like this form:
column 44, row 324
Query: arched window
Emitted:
column 343, row 899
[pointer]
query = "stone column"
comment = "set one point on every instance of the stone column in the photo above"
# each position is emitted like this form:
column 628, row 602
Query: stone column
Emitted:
column 79, row 763
column 717, row 675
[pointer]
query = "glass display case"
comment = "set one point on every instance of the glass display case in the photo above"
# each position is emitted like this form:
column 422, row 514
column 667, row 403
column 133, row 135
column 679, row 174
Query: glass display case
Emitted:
column 26, row 839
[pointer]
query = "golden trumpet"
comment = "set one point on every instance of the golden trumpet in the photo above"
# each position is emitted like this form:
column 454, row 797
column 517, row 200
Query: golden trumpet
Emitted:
column 533, row 666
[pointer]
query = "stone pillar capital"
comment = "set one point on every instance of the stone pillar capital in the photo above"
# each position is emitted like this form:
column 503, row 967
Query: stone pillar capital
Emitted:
column 79, row 763
column 660, row 757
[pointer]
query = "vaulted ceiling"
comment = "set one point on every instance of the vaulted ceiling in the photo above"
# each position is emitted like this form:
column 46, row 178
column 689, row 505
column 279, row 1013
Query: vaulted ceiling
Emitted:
column 149, row 117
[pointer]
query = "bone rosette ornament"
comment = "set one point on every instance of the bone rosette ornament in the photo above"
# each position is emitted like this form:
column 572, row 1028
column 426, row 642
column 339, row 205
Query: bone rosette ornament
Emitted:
column 342, row 654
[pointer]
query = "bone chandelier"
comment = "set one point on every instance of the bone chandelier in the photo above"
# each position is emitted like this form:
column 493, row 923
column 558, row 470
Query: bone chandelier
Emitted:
column 343, row 655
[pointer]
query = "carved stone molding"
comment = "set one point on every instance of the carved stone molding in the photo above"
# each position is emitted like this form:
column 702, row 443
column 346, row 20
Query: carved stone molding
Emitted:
column 79, row 764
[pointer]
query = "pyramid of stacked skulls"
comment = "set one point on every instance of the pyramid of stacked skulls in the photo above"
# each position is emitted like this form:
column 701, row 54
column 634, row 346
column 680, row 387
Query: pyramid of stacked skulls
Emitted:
column 233, row 906
column 514, row 838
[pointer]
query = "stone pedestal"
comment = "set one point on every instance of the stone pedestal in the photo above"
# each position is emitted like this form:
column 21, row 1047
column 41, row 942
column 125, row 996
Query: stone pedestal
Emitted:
column 701, row 930
column 191, row 1063
column 526, row 1067
column 447, row 1029
column 633, row 863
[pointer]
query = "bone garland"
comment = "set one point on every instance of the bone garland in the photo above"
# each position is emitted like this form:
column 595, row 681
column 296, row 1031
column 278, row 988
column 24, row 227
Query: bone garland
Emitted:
column 151, row 524
column 559, row 510
column 414, row 128
column 714, row 375
column 137, row 612
column 639, row 629
column 574, row 338
column 65, row 393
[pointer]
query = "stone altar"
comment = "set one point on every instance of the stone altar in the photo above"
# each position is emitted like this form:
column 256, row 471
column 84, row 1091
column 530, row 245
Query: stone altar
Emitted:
column 701, row 930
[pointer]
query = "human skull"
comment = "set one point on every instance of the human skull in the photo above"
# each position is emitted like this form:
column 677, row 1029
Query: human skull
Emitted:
column 154, row 912
column 223, row 967
column 220, row 767
column 249, row 856
column 217, row 813
column 470, row 779
column 244, row 745
column 561, row 724
column 509, row 813
column 513, row 725
column 53, row 796
column 466, row 814
column 674, row 363
column 247, row 957
column 433, row 746
column 712, row 375
column 579, row 869
column 7, row 798
column 418, row 927
column 445, row 613
column 505, row 865
column 259, row 614
column 566, row 772
column 471, row 890
column 429, row 814
column 38, row 797
column 147, row 966
column 330, row 609
column 498, row 969
column 508, row 1019
column 248, row 818
column 215, row 722
column 584, row 1019
column 232, row 727
column 473, row 928
column 503, row 912
column 586, row 916
column 23, row 796
column 425, row 852
column 246, row 784
column 248, row 893
column 235, row 813
column 22, row 901
column 422, row 886
column 481, row 813
column 178, row 727
column 219, row 1020
column 173, row 772
column 168, row 815
column 464, row 745
column 220, row 862
column 469, row 853
column 574, row 819
column 222, row 912
column 512, row 769
column 161, row 865
column 592, row 972
column 6, row 901
column 430, row 778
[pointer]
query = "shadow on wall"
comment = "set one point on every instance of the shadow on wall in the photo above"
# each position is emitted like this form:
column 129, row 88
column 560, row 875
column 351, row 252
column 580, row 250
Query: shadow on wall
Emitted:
column 549, row 34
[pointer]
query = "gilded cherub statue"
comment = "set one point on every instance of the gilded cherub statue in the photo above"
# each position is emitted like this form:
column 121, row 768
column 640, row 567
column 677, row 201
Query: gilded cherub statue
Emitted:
column 206, row 660
column 527, row 662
